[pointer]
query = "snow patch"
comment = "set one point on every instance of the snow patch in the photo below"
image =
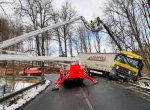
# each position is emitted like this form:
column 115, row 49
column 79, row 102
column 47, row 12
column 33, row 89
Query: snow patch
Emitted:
column 27, row 96
column 142, row 85
column 20, row 85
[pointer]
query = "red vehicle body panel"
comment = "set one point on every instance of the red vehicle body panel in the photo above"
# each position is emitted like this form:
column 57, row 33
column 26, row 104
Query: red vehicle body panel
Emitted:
column 75, row 72
column 32, row 71
column 28, row 71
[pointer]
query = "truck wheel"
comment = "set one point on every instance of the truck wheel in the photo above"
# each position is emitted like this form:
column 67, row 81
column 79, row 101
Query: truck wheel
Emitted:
column 112, row 74
column 133, row 79
column 111, row 78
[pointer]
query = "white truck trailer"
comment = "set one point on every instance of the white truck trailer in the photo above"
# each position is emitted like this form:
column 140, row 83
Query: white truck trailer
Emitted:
column 98, row 63
column 126, row 65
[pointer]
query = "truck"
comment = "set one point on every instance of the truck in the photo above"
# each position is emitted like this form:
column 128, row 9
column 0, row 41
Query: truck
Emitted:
column 124, row 65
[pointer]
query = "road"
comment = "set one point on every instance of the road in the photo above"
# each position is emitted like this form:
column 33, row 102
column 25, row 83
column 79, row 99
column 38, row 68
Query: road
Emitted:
column 103, row 96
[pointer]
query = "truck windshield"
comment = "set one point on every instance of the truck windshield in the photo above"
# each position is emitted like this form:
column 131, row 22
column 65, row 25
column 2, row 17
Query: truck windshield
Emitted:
column 130, row 61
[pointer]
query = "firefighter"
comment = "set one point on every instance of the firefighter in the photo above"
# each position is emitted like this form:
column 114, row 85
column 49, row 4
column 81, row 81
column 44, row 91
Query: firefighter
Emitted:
column 97, row 25
column 98, row 21
column 92, row 24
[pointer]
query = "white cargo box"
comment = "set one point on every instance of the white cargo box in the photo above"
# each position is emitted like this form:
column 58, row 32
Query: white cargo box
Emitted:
column 97, row 61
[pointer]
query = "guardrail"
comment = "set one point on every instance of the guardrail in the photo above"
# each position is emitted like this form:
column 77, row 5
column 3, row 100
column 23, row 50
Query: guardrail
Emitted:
column 146, row 79
column 19, row 92
column 20, row 77
column 144, row 82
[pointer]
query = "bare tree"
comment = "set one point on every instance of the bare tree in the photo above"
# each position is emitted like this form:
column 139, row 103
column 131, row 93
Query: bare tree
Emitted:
column 8, row 31
column 70, row 44
column 4, row 29
column 89, row 41
column 76, row 43
column 38, row 12
column 67, row 13
column 82, row 39
column 98, row 42
column 57, row 33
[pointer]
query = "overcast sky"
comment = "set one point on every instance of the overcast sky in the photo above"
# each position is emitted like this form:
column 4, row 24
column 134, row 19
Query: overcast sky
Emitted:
column 88, row 8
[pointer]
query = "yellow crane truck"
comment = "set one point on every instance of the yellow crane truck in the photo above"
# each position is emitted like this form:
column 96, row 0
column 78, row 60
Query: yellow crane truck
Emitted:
column 125, row 65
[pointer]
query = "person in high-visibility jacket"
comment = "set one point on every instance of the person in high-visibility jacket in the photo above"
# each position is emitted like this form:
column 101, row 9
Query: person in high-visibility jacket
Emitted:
column 92, row 24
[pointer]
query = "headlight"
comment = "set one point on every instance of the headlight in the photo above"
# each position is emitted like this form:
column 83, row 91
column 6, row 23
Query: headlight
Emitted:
column 117, row 67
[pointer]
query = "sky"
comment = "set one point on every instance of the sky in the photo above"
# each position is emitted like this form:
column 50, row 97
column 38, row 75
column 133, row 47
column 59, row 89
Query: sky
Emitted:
column 87, row 8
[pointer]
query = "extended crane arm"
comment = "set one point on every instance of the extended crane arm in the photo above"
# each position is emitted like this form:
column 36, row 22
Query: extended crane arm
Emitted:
column 20, row 38
column 4, row 57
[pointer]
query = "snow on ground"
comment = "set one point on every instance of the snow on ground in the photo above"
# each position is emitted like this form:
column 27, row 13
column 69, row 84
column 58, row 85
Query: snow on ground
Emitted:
column 17, row 86
column 20, row 84
column 142, row 85
column 27, row 97
column 2, row 82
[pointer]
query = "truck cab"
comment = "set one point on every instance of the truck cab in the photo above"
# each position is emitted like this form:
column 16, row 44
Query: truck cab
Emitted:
column 127, row 65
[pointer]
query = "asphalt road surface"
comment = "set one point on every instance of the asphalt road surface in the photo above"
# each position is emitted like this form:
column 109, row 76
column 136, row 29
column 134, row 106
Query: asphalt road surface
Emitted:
column 103, row 96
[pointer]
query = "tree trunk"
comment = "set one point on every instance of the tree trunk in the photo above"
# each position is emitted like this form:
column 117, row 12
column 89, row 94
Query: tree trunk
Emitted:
column 70, row 46
column 61, row 53
column 37, row 45
column 42, row 46
column 65, row 40
column 111, row 35
column 89, row 43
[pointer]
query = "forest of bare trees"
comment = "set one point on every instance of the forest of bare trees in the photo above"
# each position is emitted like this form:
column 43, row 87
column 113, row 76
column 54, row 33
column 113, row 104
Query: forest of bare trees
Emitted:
column 127, row 23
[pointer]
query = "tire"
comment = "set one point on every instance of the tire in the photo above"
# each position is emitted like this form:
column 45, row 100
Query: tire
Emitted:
column 112, row 74
column 133, row 79
column 111, row 78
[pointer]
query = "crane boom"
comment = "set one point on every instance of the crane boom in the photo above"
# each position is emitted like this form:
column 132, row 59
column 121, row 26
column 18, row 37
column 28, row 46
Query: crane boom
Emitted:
column 20, row 38
column 4, row 57
column 23, row 57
